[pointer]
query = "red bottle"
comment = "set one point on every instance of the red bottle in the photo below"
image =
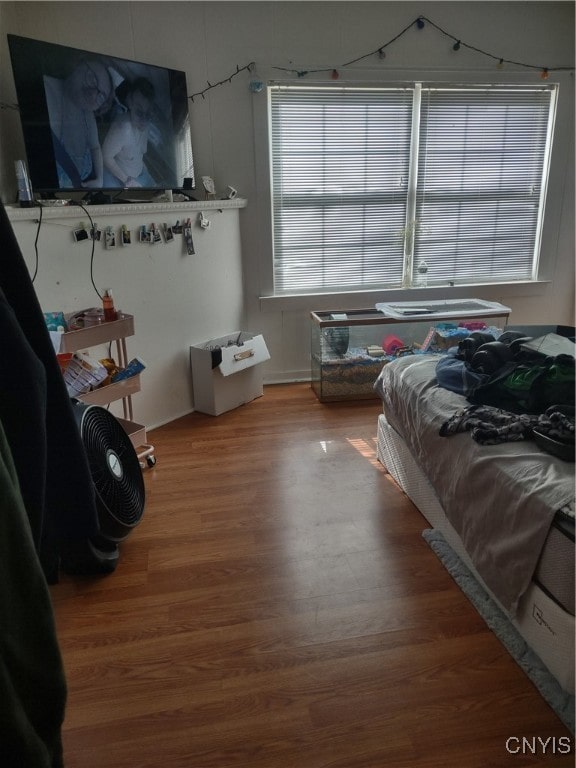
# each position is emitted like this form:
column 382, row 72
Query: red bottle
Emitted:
column 108, row 304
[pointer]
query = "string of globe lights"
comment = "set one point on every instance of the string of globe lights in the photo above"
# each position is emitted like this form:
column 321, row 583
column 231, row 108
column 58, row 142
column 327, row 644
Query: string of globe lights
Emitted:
column 458, row 44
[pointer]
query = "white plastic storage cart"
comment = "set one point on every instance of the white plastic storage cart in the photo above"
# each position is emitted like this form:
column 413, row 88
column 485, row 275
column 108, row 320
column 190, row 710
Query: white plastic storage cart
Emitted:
column 104, row 333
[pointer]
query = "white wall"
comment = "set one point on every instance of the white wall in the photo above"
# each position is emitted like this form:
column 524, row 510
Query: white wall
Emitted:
column 177, row 299
column 208, row 40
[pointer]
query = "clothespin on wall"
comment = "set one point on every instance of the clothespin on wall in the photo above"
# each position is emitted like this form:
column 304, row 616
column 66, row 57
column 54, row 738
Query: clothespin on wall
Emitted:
column 110, row 238
column 168, row 233
column 187, row 232
column 95, row 233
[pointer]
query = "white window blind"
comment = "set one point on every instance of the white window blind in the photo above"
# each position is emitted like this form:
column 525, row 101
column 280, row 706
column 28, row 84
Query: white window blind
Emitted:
column 481, row 175
column 340, row 162
column 367, row 182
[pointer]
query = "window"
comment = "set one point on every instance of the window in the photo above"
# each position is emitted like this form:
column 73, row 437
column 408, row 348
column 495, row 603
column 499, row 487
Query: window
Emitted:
column 368, row 183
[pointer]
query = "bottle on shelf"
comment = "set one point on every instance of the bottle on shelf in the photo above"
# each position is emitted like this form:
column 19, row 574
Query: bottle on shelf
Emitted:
column 421, row 277
column 110, row 312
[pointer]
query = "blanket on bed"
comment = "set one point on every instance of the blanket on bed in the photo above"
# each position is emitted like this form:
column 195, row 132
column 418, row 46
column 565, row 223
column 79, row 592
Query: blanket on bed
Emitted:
column 501, row 499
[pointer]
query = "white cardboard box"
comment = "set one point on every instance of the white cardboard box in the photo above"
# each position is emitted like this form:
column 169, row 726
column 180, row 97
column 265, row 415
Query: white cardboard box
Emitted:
column 236, row 379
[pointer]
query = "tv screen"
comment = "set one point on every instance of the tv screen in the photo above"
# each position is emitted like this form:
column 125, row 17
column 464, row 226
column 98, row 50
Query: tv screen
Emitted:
column 93, row 122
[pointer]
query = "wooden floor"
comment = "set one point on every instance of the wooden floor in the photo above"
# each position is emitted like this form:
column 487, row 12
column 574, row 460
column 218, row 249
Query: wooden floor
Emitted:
column 278, row 608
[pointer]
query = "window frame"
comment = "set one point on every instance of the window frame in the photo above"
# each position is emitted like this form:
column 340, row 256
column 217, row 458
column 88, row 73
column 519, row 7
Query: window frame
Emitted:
column 421, row 98
column 559, row 204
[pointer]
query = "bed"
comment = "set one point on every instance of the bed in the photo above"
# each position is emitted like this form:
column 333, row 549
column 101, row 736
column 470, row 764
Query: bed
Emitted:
column 507, row 510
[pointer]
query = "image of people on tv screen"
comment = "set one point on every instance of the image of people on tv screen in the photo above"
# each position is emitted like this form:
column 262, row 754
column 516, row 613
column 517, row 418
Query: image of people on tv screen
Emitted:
column 99, row 122
column 126, row 141
column 74, row 103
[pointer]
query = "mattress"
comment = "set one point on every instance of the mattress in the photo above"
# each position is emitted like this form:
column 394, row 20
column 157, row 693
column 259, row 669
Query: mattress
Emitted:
column 510, row 504
column 542, row 620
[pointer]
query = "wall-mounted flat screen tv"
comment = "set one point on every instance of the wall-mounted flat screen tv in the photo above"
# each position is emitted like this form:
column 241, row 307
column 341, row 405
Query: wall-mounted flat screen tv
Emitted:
column 93, row 122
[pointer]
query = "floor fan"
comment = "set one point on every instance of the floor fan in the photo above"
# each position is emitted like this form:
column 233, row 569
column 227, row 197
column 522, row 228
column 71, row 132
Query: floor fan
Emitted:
column 118, row 487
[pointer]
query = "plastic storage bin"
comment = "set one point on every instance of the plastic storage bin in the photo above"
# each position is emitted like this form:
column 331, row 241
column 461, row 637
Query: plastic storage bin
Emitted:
column 226, row 371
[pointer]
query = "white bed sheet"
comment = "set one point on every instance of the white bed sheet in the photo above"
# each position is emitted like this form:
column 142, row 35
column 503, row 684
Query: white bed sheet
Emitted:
column 501, row 499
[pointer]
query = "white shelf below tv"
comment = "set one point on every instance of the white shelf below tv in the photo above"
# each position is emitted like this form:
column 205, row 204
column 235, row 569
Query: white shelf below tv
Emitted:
column 15, row 213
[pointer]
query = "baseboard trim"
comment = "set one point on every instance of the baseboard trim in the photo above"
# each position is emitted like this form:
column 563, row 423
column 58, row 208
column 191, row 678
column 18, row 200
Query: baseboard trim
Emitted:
column 283, row 377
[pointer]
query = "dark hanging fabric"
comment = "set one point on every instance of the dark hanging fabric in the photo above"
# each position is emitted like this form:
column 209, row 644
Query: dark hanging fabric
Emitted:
column 46, row 505
column 37, row 416
column 23, row 414
column 32, row 682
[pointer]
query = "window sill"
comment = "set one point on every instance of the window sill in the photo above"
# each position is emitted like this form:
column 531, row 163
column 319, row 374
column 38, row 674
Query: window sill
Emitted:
column 361, row 299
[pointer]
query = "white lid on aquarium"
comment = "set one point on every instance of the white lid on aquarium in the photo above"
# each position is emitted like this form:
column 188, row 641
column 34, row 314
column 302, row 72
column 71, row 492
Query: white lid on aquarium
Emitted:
column 443, row 307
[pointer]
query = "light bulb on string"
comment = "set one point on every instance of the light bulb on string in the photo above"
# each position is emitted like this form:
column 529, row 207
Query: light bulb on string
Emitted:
column 456, row 46
column 544, row 74
column 420, row 23
column 256, row 82
column 500, row 64
column 335, row 74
